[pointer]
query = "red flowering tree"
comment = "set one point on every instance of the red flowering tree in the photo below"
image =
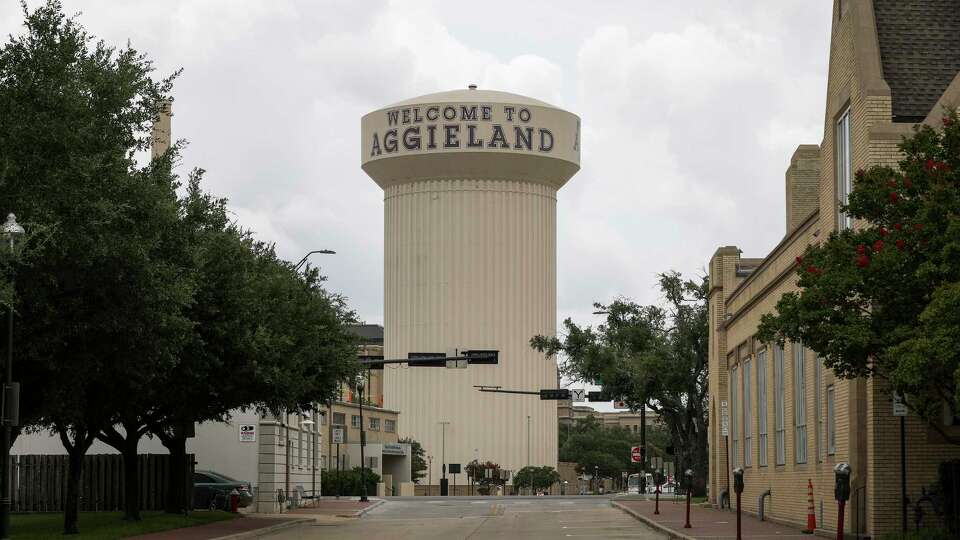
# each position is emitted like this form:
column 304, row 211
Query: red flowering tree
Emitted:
column 883, row 300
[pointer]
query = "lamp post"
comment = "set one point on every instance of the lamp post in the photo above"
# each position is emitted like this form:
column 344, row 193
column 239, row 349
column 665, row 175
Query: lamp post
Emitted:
column 429, row 474
column 363, row 443
column 309, row 422
column 305, row 257
column 443, row 457
column 12, row 231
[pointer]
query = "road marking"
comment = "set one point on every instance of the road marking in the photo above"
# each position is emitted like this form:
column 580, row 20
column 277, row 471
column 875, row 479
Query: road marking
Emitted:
column 601, row 527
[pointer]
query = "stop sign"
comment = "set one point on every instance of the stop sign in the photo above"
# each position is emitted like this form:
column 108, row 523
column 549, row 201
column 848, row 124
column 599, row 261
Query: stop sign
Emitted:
column 635, row 454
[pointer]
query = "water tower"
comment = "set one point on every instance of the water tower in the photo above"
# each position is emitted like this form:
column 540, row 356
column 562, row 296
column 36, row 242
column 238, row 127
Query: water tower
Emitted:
column 470, row 180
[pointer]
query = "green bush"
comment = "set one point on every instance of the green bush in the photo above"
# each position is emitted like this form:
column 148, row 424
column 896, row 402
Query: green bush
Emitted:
column 349, row 482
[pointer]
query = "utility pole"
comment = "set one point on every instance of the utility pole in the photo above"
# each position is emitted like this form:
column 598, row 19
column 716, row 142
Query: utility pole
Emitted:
column 363, row 443
column 528, row 440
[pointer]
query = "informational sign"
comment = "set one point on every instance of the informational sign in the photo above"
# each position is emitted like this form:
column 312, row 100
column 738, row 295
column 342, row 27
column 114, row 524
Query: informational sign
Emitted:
column 394, row 449
column 635, row 454
column 338, row 437
column 454, row 468
column 578, row 395
column 724, row 419
column 899, row 407
column 248, row 432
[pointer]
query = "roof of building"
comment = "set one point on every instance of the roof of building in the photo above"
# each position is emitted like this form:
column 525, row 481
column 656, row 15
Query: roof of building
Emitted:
column 370, row 334
column 919, row 51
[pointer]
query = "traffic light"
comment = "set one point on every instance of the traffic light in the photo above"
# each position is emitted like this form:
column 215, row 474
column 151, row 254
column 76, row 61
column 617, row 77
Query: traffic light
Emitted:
column 435, row 359
column 482, row 357
column 554, row 393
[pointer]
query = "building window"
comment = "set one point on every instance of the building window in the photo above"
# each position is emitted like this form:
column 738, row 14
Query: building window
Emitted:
column 778, row 404
column 374, row 424
column 355, row 421
column 323, row 462
column 843, row 169
column 390, row 426
column 831, row 423
column 817, row 409
column 747, row 416
column 762, row 405
column 734, row 414
column 339, row 419
column 799, row 403
column 323, row 418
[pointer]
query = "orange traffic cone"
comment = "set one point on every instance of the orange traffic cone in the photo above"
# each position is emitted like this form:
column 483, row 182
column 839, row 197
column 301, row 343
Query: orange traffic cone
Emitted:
column 811, row 515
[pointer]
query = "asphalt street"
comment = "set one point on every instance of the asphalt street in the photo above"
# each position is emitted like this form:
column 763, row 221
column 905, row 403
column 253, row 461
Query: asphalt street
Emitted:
column 428, row 518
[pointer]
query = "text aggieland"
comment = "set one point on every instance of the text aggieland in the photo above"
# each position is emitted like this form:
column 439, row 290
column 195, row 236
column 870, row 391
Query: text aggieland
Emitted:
column 432, row 127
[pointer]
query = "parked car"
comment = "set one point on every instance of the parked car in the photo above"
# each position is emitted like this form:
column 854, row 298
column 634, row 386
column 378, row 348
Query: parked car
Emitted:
column 211, row 490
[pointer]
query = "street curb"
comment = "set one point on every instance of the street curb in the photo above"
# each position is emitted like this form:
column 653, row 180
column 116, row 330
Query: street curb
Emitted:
column 671, row 534
column 263, row 531
column 363, row 511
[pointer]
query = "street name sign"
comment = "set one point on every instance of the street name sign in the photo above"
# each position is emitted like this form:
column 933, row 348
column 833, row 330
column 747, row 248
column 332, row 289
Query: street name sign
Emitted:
column 554, row 393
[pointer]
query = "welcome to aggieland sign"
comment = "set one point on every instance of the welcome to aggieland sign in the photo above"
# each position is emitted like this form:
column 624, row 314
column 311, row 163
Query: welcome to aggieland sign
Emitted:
column 499, row 126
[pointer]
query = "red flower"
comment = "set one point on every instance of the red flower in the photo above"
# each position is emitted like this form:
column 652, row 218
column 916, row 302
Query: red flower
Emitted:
column 898, row 226
column 893, row 196
column 901, row 244
column 799, row 260
column 863, row 261
column 892, row 184
column 931, row 164
column 861, row 249
column 883, row 232
column 859, row 173
column 947, row 121
column 918, row 226
column 877, row 246
column 906, row 182
column 812, row 269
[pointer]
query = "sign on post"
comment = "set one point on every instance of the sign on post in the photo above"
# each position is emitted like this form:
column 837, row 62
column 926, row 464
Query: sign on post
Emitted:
column 724, row 419
column 620, row 404
column 635, row 454
column 338, row 437
column 578, row 395
column 248, row 433
column 899, row 407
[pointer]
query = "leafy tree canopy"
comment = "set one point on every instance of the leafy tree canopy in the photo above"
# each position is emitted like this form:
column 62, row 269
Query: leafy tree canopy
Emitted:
column 537, row 478
column 883, row 299
column 418, row 465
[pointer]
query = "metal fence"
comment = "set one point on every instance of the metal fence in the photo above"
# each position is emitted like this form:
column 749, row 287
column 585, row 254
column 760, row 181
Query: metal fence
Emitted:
column 40, row 482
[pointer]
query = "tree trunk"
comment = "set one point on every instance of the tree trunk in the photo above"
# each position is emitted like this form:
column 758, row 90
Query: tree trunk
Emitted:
column 126, row 443
column 131, row 481
column 76, row 450
column 178, row 501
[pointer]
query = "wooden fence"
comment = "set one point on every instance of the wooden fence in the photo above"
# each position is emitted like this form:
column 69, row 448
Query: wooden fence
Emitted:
column 40, row 482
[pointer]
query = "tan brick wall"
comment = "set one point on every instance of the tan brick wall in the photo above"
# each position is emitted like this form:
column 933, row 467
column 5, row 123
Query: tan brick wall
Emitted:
column 867, row 436
column 802, row 185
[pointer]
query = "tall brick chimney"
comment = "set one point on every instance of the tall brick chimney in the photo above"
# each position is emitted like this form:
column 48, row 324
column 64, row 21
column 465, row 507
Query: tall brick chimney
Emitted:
column 803, row 184
column 161, row 132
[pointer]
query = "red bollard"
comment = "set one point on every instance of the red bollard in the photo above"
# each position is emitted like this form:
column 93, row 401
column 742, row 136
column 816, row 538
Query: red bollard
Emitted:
column 656, row 495
column 234, row 501
column 689, row 475
column 840, row 519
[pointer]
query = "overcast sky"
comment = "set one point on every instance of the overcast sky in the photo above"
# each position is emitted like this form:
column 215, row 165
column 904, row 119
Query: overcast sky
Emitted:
column 690, row 112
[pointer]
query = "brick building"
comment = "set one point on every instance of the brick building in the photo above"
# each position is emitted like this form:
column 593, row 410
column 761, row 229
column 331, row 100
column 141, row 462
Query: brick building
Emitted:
column 893, row 64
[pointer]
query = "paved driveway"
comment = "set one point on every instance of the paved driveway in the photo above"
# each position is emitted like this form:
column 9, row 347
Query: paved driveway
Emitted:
column 426, row 518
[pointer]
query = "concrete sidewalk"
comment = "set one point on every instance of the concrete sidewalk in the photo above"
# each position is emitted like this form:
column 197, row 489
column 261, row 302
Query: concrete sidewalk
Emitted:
column 706, row 523
column 233, row 529
column 345, row 507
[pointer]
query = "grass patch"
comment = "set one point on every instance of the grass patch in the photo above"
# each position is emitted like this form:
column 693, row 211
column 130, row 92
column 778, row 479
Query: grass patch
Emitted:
column 106, row 525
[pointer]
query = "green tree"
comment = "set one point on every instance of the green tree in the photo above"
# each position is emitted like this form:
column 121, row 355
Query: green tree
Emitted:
column 593, row 446
column 99, row 312
column 651, row 356
column 418, row 465
column 536, row 478
column 883, row 299
column 348, row 482
column 477, row 471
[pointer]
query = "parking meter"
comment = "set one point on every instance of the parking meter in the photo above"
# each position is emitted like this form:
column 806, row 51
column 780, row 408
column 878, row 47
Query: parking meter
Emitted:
column 841, row 490
column 738, row 480
column 658, row 478
column 689, row 474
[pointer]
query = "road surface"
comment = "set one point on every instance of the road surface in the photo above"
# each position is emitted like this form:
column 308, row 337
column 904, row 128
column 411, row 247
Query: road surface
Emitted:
column 436, row 518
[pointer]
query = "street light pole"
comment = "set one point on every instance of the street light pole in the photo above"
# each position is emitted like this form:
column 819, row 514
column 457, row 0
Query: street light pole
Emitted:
column 363, row 443
column 11, row 231
column 305, row 257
